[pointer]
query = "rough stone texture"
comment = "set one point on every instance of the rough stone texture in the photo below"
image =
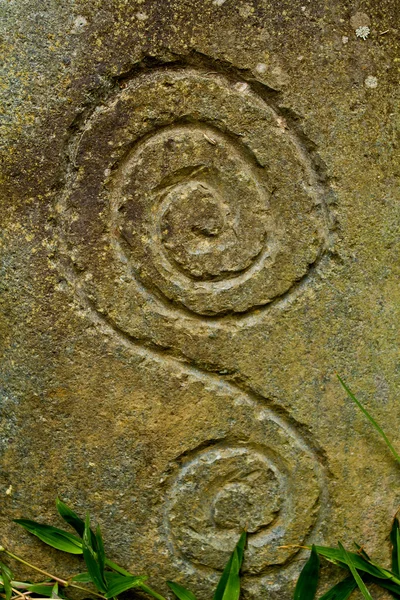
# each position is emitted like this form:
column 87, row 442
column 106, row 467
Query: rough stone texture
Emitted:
column 200, row 225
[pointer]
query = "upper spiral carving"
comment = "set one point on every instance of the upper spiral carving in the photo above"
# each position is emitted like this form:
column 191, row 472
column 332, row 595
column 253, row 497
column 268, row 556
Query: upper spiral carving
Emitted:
column 193, row 219
column 189, row 192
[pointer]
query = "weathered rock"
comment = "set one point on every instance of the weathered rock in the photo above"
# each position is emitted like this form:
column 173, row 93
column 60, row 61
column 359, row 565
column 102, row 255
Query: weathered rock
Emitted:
column 200, row 225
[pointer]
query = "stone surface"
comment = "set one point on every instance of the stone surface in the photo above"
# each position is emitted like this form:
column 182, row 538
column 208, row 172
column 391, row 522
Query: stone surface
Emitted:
column 200, row 225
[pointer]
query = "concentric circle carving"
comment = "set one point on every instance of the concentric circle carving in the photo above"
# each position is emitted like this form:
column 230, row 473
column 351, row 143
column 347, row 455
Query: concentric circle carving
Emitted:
column 268, row 484
column 189, row 191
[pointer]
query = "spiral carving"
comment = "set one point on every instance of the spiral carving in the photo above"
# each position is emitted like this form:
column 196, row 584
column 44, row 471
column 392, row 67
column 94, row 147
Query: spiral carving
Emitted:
column 190, row 192
column 196, row 222
column 268, row 484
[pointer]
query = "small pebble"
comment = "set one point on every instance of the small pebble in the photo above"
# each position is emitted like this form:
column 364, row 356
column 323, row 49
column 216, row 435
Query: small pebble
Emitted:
column 79, row 24
column 241, row 86
column 371, row 82
column 261, row 68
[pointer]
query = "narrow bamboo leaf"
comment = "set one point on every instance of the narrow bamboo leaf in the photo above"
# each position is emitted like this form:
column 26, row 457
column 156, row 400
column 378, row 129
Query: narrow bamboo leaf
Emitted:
column 388, row 585
column 54, row 591
column 6, row 576
column 57, row 538
column 70, row 517
column 335, row 555
column 91, row 559
column 341, row 591
column 74, row 520
column 219, row 592
column 349, row 561
column 93, row 568
column 181, row 592
column 229, row 571
column 82, row 578
column 232, row 588
column 398, row 551
column 240, row 547
column 109, row 576
column 307, row 582
column 371, row 419
column 101, row 557
column 122, row 583
column 395, row 540
column 6, row 570
column 112, row 577
column 40, row 589
column 117, row 568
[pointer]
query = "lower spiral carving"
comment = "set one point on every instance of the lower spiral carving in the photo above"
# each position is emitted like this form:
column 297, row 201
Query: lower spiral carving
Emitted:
column 267, row 483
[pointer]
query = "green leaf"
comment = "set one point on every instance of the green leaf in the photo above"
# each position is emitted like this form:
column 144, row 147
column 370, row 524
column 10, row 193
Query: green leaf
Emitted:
column 101, row 557
column 74, row 520
column 371, row 419
column 307, row 583
column 228, row 587
column 82, row 578
column 54, row 592
column 232, row 588
column 341, row 591
column 6, row 571
column 57, row 538
column 117, row 568
column 40, row 589
column 349, row 561
column 94, row 565
column 395, row 540
column 335, row 555
column 70, row 517
column 181, row 592
column 79, row 525
column 109, row 576
column 240, row 547
column 122, row 583
column 388, row 585
column 6, row 576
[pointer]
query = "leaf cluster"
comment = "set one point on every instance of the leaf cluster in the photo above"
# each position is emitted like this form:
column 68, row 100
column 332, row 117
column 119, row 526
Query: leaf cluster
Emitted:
column 108, row 578
column 362, row 570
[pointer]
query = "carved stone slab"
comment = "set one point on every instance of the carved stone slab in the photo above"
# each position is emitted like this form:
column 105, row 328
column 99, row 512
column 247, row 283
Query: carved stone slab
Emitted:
column 200, row 227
